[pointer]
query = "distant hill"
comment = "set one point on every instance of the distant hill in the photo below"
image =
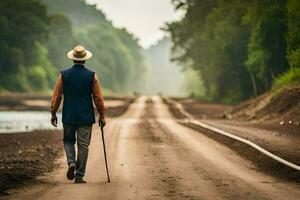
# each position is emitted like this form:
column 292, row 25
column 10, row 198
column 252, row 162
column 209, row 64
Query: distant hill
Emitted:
column 88, row 14
column 117, row 57
column 165, row 77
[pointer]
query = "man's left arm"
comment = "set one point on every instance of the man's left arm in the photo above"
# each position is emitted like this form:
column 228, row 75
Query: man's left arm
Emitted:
column 56, row 100
column 99, row 100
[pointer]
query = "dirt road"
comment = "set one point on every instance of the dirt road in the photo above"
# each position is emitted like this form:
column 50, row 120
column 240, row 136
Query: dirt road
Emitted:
column 153, row 157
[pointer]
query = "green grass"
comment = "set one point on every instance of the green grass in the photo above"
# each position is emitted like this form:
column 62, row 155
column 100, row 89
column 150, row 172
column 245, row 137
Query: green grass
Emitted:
column 291, row 77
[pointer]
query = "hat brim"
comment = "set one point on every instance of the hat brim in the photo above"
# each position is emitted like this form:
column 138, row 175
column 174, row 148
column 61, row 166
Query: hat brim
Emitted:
column 71, row 56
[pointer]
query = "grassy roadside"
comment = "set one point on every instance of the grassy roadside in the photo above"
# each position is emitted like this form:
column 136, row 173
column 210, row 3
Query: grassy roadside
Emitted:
column 290, row 79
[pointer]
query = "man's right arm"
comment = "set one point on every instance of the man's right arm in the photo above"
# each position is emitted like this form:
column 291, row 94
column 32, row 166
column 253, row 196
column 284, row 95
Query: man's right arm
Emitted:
column 56, row 100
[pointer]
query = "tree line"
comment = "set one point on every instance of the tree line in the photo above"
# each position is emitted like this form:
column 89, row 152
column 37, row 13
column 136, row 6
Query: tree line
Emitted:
column 240, row 48
column 36, row 35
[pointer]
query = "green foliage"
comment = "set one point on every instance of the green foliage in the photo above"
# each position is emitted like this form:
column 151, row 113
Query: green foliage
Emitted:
column 22, row 23
column 239, row 47
column 212, row 40
column 293, row 34
column 117, row 58
column 267, row 45
column 77, row 11
column 35, row 38
column 60, row 39
column 294, row 58
column 37, row 76
column 292, row 76
column 41, row 60
column 193, row 86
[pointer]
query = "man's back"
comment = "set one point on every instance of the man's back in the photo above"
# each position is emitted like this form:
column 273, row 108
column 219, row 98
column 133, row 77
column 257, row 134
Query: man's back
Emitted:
column 77, row 92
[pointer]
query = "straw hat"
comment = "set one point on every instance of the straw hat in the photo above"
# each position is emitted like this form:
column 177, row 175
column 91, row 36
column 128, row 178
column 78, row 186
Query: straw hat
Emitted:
column 79, row 53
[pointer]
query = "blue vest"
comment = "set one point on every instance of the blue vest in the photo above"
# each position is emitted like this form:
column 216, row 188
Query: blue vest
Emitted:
column 77, row 90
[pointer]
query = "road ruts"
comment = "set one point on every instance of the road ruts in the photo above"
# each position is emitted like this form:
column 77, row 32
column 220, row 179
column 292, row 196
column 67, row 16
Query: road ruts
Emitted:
column 152, row 157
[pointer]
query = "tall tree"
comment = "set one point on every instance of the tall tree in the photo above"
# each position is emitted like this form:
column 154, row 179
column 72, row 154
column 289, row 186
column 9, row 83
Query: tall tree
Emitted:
column 267, row 46
column 293, row 34
column 239, row 47
column 23, row 25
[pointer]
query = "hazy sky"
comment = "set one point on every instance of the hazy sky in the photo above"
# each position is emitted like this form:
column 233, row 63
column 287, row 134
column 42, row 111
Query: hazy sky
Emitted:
column 143, row 18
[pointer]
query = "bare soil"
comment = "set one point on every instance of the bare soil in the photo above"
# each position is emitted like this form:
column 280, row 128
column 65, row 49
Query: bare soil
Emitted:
column 24, row 156
column 277, row 106
column 152, row 157
column 202, row 109
column 117, row 111
column 282, row 140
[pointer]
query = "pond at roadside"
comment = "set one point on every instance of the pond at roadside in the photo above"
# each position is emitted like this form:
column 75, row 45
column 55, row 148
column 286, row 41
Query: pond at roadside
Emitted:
column 26, row 121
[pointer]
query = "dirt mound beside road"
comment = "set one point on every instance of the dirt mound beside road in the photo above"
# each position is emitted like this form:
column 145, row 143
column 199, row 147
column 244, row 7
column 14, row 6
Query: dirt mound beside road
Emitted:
column 283, row 105
column 202, row 109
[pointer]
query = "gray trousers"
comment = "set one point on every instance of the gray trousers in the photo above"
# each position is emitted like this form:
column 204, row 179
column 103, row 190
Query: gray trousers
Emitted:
column 83, row 136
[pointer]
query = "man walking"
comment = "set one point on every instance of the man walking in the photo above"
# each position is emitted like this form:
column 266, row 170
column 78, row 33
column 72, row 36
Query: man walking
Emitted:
column 78, row 86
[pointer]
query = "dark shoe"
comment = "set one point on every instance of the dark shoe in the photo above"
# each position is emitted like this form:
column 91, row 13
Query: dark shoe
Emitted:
column 71, row 171
column 79, row 179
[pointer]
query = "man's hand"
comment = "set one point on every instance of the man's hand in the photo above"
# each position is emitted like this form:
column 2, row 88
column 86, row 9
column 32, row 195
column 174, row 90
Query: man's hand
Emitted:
column 54, row 120
column 102, row 121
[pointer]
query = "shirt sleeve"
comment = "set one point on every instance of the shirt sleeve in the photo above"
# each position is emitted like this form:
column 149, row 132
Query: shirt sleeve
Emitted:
column 98, row 97
column 57, row 96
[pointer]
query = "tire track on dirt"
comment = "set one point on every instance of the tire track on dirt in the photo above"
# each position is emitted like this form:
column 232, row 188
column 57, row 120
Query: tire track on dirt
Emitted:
column 171, row 176
column 163, row 179
column 222, row 169
column 264, row 163
column 224, row 186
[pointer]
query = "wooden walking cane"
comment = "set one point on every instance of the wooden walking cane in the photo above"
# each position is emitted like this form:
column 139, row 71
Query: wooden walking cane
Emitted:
column 104, row 150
